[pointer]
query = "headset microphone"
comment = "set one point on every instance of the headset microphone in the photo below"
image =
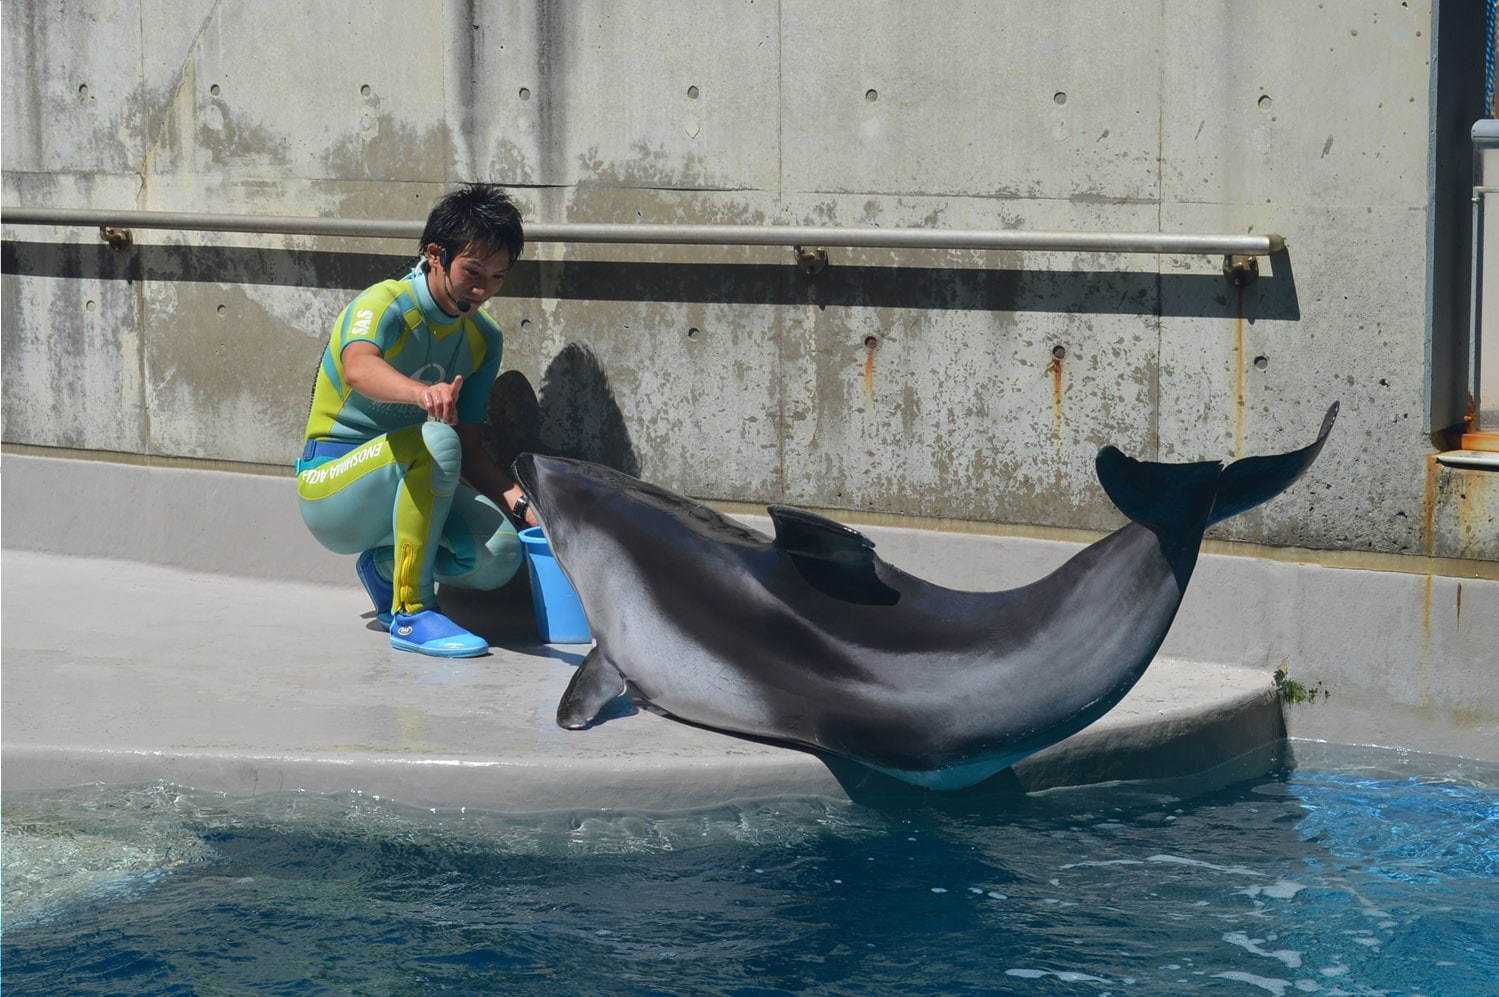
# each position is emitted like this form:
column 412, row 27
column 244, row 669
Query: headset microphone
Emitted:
column 463, row 305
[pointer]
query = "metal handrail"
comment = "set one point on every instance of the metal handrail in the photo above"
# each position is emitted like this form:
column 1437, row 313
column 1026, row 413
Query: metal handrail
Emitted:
column 697, row 235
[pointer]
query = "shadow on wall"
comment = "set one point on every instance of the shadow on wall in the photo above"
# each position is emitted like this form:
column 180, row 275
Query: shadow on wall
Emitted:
column 1028, row 290
column 575, row 416
column 1083, row 292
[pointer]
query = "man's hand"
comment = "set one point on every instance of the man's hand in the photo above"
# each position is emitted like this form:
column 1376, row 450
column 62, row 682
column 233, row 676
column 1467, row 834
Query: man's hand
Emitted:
column 440, row 400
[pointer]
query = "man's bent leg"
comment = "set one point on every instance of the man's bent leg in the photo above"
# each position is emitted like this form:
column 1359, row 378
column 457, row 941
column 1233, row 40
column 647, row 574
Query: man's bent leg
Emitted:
column 396, row 488
column 432, row 457
column 480, row 548
column 346, row 502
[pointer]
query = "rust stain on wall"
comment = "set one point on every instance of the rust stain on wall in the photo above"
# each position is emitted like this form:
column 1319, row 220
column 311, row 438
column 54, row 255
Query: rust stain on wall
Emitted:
column 1058, row 390
column 870, row 345
column 1472, row 507
column 1457, row 511
column 1426, row 611
column 1429, row 506
column 1239, row 375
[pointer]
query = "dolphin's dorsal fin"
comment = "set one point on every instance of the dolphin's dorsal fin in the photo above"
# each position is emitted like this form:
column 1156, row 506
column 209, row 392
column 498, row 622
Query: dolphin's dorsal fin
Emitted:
column 801, row 532
column 837, row 560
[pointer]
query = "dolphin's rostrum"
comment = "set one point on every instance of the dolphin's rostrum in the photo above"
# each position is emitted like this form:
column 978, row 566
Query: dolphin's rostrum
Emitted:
column 811, row 638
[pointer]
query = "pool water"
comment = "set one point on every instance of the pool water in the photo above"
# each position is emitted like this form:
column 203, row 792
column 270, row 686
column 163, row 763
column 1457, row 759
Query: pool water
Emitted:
column 1366, row 874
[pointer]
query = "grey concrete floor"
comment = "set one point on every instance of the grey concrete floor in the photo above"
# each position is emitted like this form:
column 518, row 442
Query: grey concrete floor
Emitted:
column 126, row 672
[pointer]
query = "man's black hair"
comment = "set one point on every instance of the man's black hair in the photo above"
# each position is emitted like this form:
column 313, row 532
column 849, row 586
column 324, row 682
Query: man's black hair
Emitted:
column 479, row 215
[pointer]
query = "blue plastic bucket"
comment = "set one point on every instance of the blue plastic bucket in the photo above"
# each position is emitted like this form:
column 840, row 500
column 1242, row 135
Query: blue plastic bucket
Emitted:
column 559, row 614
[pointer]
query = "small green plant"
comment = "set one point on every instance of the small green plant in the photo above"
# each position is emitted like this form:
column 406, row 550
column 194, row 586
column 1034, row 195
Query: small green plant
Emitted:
column 1292, row 691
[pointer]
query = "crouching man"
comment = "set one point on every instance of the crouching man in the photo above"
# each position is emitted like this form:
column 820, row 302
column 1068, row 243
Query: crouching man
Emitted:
column 393, row 469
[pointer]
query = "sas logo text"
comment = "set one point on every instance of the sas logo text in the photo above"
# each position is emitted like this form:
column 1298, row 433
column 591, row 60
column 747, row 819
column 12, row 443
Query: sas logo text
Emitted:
column 362, row 320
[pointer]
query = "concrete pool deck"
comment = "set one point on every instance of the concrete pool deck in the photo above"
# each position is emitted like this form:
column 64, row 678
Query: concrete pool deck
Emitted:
column 246, row 686
column 206, row 673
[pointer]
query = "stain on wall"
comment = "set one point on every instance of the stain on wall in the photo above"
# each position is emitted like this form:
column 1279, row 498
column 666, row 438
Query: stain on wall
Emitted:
column 967, row 385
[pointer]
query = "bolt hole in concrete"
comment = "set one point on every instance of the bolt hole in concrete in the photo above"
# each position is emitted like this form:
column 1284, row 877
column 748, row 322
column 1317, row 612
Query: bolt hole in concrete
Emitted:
column 83, row 90
column 693, row 332
column 525, row 93
column 223, row 310
column 88, row 306
column 871, row 95
column 1059, row 97
column 1059, row 352
column 870, row 342
column 1265, row 102
column 364, row 91
column 692, row 93
column 525, row 323
column 1261, row 363
column 214, row 89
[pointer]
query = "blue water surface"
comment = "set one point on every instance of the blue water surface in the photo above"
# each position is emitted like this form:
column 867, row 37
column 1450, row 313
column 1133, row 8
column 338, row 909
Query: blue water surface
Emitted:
column 1367, row 876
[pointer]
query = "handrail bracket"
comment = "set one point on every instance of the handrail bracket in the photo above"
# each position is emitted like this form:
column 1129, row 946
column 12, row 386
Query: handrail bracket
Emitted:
column 118, row 238
column 811, row 261
column 1241, row 270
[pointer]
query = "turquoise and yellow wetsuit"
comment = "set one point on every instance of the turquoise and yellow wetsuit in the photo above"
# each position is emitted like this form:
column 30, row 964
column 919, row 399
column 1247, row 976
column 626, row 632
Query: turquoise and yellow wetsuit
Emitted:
column 378, row 476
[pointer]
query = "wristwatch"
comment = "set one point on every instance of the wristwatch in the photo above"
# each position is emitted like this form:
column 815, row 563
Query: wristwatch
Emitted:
column 518, row 511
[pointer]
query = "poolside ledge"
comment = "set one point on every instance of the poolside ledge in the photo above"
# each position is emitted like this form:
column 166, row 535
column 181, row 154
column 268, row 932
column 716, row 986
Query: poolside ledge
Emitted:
column 121, row 670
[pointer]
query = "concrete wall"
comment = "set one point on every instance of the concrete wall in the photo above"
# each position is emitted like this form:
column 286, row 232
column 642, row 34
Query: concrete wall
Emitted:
column 728, row 373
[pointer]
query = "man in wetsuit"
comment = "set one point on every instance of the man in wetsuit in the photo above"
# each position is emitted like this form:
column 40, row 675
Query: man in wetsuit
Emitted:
column 393, row 468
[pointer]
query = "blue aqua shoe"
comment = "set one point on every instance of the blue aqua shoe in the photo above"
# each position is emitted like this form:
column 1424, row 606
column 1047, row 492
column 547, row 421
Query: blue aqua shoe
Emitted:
column 380, row 591
column 430, row 632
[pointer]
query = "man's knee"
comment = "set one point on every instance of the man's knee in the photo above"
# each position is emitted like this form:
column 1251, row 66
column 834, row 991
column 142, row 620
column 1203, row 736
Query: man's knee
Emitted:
column 441, row 441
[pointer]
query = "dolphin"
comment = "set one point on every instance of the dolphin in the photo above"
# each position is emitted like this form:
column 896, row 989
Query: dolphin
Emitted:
column 810, row 638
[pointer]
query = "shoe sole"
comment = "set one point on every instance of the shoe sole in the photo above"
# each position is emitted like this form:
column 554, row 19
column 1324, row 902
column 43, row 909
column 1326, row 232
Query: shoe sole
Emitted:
column 438, row 652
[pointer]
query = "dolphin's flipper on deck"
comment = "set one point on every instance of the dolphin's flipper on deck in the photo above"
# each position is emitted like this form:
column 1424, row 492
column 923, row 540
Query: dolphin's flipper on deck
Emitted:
column 593, row 686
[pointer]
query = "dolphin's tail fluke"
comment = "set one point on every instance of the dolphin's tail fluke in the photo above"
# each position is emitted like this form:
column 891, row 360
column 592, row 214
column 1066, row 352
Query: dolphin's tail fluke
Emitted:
column 1248, row 482
column 1173, row 497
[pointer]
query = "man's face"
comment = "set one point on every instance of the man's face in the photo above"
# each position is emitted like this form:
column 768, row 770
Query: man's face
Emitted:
column 475, row 275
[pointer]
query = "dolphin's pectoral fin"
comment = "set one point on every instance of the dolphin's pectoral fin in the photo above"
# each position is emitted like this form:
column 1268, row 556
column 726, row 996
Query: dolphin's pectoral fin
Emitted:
column 835, row 559
column 594, row 685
